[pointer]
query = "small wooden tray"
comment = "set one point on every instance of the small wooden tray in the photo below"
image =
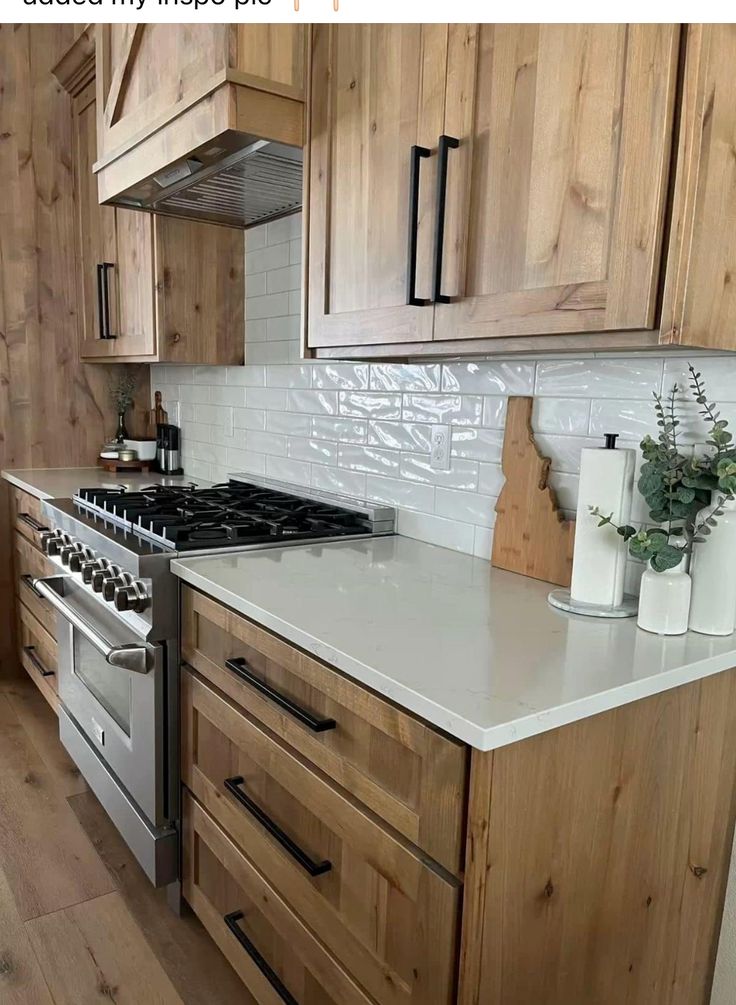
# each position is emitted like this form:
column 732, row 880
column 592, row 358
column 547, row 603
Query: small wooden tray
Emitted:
column 113, row 465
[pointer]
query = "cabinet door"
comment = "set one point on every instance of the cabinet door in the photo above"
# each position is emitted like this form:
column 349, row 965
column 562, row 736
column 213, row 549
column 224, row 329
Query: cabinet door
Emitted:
column 556, row 193
column 121, row 238
column 200, row 292
column 377, row 90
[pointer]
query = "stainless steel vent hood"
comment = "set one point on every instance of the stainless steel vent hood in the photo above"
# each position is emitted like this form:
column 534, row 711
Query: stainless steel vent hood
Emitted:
column 238, row 181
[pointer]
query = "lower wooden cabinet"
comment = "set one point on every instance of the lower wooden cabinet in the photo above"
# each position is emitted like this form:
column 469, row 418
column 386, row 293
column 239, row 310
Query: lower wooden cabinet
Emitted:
column 387, row 915
column 39, row 655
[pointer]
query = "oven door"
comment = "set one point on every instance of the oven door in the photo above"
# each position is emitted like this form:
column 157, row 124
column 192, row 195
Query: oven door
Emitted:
column 112, row 684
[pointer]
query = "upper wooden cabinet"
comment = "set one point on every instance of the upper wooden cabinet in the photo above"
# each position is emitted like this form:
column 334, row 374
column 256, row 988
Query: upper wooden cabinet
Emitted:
column 172, row 93
column 149, row 289
column 536, row 202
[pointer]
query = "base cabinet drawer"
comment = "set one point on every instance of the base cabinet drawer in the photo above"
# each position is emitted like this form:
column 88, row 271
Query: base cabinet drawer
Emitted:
column 38, row 654
column 277, row 957
column 387, row 916
column 29, row 565
column 28, row 516
column 409, row 774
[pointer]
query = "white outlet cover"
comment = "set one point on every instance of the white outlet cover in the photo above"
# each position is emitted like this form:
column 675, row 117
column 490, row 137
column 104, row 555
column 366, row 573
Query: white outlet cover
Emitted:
column 441, row 441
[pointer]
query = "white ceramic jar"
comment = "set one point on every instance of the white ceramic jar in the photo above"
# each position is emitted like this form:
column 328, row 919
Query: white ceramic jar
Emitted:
column 713, row 570
column 664, row 600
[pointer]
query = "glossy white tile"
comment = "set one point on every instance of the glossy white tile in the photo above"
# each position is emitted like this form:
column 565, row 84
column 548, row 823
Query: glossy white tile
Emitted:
column 453, row 409
column 363, row 404
column 478, row 444
column 270, row 306
column 340, row 480
column 469, row 507
column 287, row 470
column 312, row 402
column 405, row 377
column 291, row 423
column 400, row 435
column 343, row 430
column 398, row 492
column 600, row 378
column 288, row 376
column 272, row 398
column 305, row 449
column 494, row 411
column 488, row 378
column 369, row 459
column 561, row 415
column 249, row 418
column 342, row 376
column 490, row 479
column 437, row 530
column 462, row 474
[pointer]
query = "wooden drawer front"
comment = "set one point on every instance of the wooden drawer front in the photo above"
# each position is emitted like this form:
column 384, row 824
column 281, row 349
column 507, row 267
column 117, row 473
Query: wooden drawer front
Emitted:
column 28, row 516
column 218, row 881
column 406, row 772
column 29, row 565
column 38, row 654
column 389, row 917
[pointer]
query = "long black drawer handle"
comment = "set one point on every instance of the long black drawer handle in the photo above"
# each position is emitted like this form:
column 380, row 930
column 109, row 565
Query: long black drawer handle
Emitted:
column 28, row 580
column 103, row 299
column 234, row 786
column 241, row 669
column 415, row 163
column 231, row 920
column 32, row 522
column 30, row 652
column 446, row 143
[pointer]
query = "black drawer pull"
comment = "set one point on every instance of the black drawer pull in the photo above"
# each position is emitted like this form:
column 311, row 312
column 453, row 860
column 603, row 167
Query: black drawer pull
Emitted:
column 234, row 786
column 32, row 522
column 446, row 143
column 30, row 652
column 231, row 920
column 28, row 580
column 103, row 299
column 241, row 669
column 415, row 164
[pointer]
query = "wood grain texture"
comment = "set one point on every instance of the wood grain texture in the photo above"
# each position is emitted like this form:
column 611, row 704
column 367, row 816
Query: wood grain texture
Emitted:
column 410, row 775
column 45, row 855
column 219, row 879
column 531, row 535
column 598, row 856
column 94, row 951
column 556, row 201
column 54, row 411
column 21, row 978
column 389, row 918
column 699, row 306
column 376, row 90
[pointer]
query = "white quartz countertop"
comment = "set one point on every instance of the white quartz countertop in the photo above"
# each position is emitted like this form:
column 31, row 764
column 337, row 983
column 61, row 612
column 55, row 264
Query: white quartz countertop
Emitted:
column 476, row 651
column 62, row 483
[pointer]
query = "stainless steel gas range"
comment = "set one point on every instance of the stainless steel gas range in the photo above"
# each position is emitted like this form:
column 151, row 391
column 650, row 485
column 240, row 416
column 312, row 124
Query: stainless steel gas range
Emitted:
column 117, row 606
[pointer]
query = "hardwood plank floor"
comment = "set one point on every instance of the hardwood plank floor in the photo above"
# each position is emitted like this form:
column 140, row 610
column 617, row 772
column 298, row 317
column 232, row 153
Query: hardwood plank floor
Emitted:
column 79, row 922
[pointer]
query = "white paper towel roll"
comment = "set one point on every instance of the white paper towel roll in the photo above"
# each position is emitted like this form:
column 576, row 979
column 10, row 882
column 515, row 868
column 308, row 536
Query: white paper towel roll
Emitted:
column 599, row 559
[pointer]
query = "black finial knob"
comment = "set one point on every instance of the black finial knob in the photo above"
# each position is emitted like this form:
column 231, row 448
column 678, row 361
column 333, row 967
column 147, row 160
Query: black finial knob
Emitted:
column 611, row 440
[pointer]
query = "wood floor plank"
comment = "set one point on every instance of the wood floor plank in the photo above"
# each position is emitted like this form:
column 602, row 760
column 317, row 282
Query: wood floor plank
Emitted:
column 196, row 967
column 96, row 952
column 42, row 727
column 48, row 860
column 21, row 979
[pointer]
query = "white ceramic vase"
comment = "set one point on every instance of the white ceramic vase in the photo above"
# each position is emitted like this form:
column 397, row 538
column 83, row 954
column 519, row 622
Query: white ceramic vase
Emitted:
column 713, row 570
column 664, row 600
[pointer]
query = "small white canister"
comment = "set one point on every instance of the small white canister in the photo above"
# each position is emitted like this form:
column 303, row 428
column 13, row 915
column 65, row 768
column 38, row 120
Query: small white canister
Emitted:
column 664, row 600
column 713, row 570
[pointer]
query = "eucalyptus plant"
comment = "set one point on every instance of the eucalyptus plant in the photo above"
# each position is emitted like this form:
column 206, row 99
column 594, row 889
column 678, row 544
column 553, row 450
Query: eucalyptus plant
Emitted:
column 677, row 486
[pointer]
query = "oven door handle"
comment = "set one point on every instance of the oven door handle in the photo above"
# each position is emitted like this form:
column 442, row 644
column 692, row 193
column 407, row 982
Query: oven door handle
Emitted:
column 128, row 657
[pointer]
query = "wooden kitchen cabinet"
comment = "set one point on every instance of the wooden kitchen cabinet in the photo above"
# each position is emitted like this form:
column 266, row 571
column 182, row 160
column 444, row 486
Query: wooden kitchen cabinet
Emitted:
column 150, row 289
column 540, row 213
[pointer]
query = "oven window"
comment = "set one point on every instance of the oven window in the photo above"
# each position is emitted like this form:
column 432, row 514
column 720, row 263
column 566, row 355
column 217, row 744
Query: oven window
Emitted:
column 110, row 685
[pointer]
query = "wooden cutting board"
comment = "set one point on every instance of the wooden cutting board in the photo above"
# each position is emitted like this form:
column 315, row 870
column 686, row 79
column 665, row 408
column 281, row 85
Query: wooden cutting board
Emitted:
column 531, row 535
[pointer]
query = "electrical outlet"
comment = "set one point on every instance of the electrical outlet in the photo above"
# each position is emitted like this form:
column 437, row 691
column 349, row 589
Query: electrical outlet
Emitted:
column 229, row 421
column 440, row 454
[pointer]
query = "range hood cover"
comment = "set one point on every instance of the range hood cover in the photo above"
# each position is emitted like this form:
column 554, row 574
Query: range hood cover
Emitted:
column 257, row 182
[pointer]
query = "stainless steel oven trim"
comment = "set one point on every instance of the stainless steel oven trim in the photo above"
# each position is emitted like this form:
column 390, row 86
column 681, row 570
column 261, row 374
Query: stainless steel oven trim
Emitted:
column 156, row 849
column 128, row 657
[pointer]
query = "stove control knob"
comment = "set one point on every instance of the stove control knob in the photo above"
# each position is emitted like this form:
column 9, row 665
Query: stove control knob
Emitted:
column 110, row 584
column 67, row 551
column 54, row 544
column 131, row 597
column 87, row 569
column 99, row 576
column 79, row 558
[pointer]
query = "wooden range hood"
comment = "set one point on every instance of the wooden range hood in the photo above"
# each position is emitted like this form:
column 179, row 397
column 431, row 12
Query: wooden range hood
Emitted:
column 202, row 121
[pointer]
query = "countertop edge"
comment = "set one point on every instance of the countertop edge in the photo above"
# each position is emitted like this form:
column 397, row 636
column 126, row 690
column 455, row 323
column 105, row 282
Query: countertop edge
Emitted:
column 32, row 490
column 530, row 723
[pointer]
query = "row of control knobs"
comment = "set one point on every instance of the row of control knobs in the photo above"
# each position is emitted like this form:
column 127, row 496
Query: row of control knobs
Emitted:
column 117, row 587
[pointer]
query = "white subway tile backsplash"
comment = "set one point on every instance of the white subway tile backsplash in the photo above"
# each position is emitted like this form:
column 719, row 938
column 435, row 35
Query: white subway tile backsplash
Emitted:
column 370, row 406
column 488, row 378
column 455, row 409
column 363, row 430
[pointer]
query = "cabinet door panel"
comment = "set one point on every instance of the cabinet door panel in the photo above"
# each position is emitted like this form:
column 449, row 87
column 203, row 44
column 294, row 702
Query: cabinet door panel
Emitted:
column 377, row 90
column 556, row 195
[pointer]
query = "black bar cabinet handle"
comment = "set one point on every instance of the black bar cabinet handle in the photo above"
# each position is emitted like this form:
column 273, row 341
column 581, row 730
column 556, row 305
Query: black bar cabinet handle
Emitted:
column 231, row 920
column 28, row 580
column 103, row 299
column 32, row 522
column 240, row 667
column 415, row 163
column 234, row 786
column 30, row 652
column 446, row 143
